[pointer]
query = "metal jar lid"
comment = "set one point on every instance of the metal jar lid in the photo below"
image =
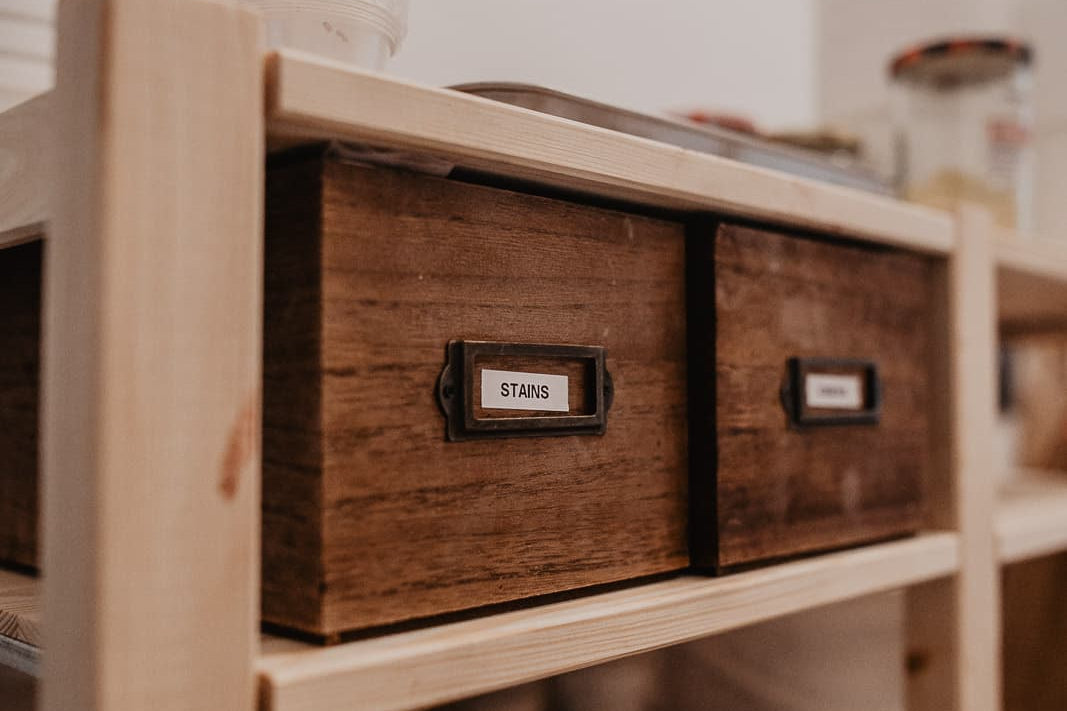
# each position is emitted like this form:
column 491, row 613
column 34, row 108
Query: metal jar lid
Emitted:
column 957, row 62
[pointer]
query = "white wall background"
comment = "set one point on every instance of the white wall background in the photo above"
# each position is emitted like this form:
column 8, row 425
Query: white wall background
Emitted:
column 756, row 57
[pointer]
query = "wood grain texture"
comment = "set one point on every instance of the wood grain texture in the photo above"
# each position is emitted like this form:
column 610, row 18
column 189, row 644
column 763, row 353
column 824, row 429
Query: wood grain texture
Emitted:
column 783, row 490
column 1035, row 634
column 413, row 525
column 416, row 669
column 152, row 351
column 20, row 346
column 933, row 659
column 25, row 184
column 310, row 99
column 20, row 608
column 840, row 657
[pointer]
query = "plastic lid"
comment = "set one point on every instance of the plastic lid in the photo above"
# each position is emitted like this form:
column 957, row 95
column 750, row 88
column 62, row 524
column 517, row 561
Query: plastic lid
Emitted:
column 963, row 61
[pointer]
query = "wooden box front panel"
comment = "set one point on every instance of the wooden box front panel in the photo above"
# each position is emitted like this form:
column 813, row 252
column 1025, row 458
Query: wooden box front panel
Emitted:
column 413, row 525
column 783, row 489
column 20, row 343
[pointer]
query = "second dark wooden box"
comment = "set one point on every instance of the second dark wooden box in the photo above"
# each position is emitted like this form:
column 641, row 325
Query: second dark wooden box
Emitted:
column 375, row 511
column 810, row 392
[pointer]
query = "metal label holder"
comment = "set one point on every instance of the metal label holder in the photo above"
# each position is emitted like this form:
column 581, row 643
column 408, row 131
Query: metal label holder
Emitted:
column 801, row 415
column 455, row 393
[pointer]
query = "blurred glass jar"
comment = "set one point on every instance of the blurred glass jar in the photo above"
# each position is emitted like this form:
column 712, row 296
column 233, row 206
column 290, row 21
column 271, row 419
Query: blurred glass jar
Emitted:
column 362, row 33
column 964, row 120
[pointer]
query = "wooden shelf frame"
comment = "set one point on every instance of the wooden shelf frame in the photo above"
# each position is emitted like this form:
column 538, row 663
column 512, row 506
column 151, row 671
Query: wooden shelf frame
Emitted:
column 310, row 99
column 1031, row 517
column 1032, row 283
column 144, row 411
column 439, row 664
column 540, row 641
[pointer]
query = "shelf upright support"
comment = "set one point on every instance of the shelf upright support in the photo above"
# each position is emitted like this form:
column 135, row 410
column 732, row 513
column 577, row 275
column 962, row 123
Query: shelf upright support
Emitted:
column 151, row 375
column 954, row 625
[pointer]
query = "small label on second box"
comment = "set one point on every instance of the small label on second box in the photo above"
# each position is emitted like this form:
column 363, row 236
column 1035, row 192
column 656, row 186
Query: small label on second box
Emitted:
column 833, row 392
column 507, row 390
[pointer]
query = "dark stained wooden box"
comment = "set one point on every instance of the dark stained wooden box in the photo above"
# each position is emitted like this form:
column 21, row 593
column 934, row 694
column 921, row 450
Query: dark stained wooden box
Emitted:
column 371, row 515
column 771, row 480
column 20, row 343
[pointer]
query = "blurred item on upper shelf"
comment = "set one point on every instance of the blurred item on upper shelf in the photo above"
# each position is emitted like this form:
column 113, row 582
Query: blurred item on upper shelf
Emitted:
column 1039, row 401
column 361, row 33
column 721, row 135
column 830, row 141
column 964, row 122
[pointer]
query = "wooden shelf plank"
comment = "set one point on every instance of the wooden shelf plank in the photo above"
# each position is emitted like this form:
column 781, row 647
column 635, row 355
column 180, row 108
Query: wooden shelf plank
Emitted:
column 20, row 622
column 1031, row 282
column 415, row 669
column 315, row 99
column 1031, row 518
column 24, row 186
column 1036, row 256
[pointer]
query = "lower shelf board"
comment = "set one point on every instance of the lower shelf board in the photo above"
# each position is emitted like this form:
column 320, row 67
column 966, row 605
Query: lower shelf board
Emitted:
column 437, row 664
column 415, row 669
column 1031, row 517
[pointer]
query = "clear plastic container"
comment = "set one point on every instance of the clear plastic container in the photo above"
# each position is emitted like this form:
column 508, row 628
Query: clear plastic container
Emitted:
column 964, row 126
column 363, row 33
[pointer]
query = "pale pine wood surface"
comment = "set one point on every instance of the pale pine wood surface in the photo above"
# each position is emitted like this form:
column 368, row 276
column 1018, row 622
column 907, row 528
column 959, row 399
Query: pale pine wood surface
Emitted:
column 1031, row 254
column 1031, row 517
column 25, row 139
column 152, row 359
column 314, row 99
column 972, row 296
column 414, row 669
column 843, row 657
column 931, row 611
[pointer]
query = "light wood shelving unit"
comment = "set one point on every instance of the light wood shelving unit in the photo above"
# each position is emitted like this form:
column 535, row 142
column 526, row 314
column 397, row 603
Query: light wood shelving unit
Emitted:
column 146, row 165
column 1031, row 517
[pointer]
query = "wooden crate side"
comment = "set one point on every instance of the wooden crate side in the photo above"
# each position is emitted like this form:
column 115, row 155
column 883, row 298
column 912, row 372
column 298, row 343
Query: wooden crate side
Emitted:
column 416, row 525
column 784, row 489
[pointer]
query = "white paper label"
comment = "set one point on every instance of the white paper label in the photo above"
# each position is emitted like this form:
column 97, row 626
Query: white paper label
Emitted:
column 505, row 390
column 833, row 392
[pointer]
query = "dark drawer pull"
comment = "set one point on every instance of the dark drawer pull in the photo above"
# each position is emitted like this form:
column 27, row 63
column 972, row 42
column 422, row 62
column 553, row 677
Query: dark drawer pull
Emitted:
column 832, row 391
column 489, row 389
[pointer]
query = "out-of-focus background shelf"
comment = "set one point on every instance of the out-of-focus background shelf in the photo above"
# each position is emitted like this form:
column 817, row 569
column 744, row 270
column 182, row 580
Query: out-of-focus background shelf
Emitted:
column 423, row 667
column 1031, row 283
column 1031, row 517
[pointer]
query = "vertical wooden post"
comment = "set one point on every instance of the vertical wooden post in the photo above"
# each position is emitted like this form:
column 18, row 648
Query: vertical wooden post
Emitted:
column 954, row 625
column 152, row 359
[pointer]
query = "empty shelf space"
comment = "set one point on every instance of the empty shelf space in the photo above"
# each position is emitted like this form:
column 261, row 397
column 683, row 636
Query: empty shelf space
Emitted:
column 437, row 664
